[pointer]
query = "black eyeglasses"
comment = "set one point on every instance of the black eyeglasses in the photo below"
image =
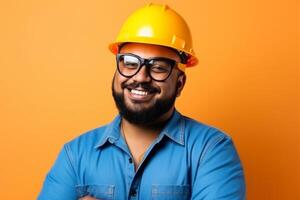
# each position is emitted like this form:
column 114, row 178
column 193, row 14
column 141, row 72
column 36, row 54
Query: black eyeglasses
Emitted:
column 158, row 68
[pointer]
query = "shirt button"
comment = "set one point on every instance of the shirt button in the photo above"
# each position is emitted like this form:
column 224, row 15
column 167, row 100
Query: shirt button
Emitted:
column 130, row 160
column 133, row 193
column 111, row 140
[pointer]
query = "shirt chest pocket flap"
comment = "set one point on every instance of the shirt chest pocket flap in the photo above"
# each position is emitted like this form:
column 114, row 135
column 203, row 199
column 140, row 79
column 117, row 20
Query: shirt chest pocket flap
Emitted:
column 103, row 192
column 171, row 192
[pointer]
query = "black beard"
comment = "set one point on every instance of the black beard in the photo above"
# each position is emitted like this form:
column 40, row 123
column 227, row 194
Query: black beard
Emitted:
column 146, row 116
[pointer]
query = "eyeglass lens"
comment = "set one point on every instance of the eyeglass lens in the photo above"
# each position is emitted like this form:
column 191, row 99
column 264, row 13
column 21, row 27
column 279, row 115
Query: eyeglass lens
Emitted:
column 158, row 68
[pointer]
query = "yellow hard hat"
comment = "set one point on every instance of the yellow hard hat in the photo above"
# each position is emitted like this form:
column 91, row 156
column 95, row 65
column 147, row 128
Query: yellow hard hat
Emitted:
column 159, row 25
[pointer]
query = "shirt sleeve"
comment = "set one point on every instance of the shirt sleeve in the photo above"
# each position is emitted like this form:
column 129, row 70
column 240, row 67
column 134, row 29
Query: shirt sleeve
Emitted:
column 219, row 173
column 61, row 180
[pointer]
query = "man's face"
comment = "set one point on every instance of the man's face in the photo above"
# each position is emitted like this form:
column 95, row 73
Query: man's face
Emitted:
column 141, row 100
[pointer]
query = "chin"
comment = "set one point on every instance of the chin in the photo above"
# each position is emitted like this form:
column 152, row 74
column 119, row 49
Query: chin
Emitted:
column 139, row 105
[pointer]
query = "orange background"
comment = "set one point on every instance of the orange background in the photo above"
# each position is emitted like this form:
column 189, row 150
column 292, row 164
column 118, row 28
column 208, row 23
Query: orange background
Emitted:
column 56, row 71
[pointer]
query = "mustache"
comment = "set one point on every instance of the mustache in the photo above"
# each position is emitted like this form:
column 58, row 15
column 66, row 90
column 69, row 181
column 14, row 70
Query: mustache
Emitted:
column 145, row 86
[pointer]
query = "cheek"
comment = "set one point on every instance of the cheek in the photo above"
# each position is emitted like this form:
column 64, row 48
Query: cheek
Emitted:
column 118, row 80
column 169, row 87
column 167, row 90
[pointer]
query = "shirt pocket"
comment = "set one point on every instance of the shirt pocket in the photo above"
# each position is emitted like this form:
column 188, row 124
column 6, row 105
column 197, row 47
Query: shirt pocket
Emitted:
column 171, row 192
column 103, row 192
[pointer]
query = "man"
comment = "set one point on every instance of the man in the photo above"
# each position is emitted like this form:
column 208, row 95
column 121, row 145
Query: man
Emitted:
column 149, row 151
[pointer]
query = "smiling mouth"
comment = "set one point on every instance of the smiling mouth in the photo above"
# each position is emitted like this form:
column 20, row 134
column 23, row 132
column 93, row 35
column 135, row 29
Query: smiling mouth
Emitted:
column 139, row 89
column 139, row 92
column 140, row 95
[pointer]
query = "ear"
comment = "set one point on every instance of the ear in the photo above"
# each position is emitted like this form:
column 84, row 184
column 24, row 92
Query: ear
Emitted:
column 180, row 83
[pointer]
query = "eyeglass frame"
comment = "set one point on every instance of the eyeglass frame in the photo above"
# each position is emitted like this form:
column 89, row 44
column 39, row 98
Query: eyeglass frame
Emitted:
column 145, row 62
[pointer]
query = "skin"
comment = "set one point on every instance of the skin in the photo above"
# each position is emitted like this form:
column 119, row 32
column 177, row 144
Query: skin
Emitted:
column 88, row 198
column 140, row 137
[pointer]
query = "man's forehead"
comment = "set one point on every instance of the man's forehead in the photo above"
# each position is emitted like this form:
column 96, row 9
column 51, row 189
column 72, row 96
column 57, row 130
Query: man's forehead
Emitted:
column 149, row 50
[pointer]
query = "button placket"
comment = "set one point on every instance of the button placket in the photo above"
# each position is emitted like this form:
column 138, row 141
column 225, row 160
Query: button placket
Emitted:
column 130, row 173
column 133, row 193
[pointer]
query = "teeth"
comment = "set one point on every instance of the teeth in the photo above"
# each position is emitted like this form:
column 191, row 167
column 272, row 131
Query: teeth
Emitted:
column 138, row 92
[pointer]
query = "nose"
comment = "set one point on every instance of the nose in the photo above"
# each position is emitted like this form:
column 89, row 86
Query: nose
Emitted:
column 142, row 75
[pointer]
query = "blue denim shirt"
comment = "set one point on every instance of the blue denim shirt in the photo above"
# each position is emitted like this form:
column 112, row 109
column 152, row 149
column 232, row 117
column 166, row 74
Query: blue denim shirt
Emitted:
column 188, row 160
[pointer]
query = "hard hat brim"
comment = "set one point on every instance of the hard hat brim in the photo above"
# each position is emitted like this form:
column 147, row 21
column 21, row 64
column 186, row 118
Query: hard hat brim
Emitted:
column 191, row 62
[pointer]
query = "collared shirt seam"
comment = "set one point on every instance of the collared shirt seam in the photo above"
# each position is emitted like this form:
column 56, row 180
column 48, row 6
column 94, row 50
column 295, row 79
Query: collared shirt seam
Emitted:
column 182, row 126
column 211, row 144
column 71, row 159
column 106, row 135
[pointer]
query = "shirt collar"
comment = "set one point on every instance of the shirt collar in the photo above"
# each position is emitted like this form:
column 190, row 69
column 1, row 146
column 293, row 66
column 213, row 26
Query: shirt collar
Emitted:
column 111, row 132
column 174, row 130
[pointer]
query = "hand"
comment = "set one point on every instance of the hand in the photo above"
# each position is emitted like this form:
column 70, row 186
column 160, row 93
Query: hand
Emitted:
column 88, row 198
